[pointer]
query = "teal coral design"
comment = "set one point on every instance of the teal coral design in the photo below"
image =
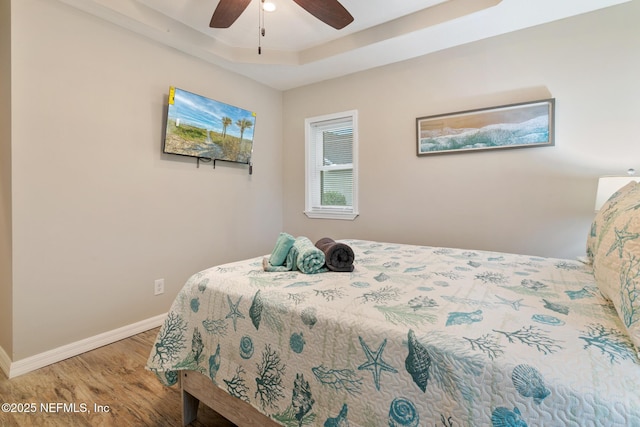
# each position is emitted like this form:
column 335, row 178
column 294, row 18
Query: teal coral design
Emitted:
column 492, row 277
column 269, row 385
column 406, row 315
column 353, row 344
column 382, row 295
column 171, row 339
column 338, row 379
column 215, row 326
column 611, row 343
column 533, row 337
column 488, row 344
column 237, row 385
column 630, row 291
column 374, row 362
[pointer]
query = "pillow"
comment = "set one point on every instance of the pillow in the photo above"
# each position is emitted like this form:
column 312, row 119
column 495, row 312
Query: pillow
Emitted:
column 602, row 220
column 614, row 243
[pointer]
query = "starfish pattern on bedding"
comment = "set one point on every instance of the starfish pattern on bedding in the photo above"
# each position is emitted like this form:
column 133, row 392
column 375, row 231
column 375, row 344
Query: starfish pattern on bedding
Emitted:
column 374, row 361
column 621, row 238
column 515, row 304
column 234, row 313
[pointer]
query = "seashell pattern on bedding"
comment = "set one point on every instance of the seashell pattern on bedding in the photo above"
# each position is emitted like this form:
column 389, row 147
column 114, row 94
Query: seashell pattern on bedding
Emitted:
column 613, row 245
column 413, row 336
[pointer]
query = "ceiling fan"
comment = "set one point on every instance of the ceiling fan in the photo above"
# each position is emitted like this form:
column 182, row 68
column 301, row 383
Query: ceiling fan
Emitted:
column 331, row 12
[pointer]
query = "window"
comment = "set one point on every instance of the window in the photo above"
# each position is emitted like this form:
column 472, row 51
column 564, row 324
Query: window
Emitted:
column 331, row 166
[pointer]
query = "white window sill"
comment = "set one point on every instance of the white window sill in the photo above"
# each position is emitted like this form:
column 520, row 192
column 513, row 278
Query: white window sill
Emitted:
column 331, row 215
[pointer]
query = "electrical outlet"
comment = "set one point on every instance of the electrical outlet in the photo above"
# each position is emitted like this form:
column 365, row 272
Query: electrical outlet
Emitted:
column 158, row 287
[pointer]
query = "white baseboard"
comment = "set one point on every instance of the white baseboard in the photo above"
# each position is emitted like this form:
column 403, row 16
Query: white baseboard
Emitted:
column 41, row 360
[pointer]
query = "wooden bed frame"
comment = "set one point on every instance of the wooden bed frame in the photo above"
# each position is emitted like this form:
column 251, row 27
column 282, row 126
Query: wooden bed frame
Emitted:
column 197, row 388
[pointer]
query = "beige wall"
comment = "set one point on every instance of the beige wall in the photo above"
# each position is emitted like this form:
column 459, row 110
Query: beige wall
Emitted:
column 537, row 200
column 98, row 212
column 5, row 177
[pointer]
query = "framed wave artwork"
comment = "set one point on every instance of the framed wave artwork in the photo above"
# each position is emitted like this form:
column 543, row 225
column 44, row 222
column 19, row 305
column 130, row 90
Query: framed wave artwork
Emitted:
column 528, row 124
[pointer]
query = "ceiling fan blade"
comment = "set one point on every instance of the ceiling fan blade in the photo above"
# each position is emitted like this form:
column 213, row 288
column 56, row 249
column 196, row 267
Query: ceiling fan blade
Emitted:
column 227, row 12
column 331, row 12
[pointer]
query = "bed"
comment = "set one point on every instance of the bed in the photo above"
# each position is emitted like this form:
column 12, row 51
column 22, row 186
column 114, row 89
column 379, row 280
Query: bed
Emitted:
column 416, row 336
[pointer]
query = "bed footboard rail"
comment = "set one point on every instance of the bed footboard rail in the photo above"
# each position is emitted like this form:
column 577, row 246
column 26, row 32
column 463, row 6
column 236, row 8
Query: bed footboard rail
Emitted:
column 196, row 388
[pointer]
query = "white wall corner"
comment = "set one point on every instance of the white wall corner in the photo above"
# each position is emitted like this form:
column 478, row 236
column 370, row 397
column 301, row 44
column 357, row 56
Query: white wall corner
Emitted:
column 41, row 360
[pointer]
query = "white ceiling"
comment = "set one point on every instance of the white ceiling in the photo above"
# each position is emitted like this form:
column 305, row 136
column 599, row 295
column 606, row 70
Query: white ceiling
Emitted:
column 289, row 28
column 298, row 49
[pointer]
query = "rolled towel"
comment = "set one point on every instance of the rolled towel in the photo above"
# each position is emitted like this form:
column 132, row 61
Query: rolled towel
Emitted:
column 290, row 263
column 309, row 259
column 281, row 250
column 266, row 265
column 338, row 256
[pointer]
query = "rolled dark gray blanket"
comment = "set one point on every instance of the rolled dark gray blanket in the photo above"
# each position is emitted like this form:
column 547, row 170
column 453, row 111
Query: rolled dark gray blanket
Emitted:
column 338, row 256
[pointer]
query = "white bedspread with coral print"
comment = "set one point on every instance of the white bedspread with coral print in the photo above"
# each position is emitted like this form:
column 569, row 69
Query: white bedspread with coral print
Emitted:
column 414, row 336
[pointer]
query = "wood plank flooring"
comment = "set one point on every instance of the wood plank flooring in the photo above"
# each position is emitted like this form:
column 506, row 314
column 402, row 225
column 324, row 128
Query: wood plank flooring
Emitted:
column 108, row 386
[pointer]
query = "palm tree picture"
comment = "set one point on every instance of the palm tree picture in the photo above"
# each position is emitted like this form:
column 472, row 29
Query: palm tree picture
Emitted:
column 205, row 128
column 226, row 121
column 243, row 124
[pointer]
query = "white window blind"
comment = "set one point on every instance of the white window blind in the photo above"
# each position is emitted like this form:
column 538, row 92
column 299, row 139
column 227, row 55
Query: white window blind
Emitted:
column 331, row 166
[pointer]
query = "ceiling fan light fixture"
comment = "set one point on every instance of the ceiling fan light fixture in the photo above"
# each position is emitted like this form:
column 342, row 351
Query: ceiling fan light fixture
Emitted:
column 268, row 6
column 331, row 12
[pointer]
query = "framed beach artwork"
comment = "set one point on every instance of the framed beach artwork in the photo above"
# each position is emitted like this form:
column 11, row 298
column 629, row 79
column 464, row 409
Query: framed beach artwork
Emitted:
column 201, row 127
column 527, row 124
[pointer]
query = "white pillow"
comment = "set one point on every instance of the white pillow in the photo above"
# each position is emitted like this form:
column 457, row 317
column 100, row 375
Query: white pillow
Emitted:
column 614, row 246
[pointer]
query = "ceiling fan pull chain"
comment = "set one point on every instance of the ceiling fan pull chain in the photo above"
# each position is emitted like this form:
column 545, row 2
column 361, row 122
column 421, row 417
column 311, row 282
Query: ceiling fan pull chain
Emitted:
column 261, row 31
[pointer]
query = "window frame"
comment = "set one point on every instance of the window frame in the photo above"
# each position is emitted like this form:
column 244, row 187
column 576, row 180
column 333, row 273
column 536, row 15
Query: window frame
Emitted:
column 312, row 207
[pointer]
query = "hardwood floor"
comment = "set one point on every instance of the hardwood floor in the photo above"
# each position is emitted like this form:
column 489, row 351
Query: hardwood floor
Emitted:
column 108, row 386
